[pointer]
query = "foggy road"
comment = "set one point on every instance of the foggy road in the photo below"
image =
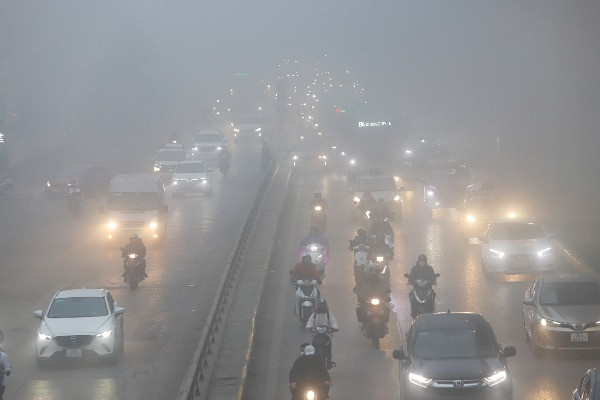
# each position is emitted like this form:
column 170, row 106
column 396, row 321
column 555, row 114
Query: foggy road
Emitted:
column 46, row 250
column 362, row 371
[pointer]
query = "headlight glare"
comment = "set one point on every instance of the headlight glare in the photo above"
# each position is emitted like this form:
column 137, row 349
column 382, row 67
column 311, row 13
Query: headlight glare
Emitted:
column 375, row 302
column 496, row 378
column 43, row 336
column 419, row 380
column 470, row 218
column 357, row 199
column 397, row 197
column 111, row 225
column 496, row 253
column 105, row 334
column 545, row 252
column 153, row 224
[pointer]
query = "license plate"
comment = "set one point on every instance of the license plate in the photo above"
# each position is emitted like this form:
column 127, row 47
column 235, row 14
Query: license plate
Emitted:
column 579, row 337
column 73, row 353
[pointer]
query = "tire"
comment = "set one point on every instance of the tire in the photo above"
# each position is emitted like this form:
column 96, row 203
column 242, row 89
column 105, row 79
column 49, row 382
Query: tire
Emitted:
column 376, row 343
column 305, row 315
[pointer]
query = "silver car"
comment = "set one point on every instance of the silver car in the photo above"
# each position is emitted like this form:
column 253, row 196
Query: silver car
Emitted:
column 562, row 311
column 516, row 247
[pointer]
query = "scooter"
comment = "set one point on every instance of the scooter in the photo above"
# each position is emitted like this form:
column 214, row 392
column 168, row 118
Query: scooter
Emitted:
column 422, row 296
column 321, row 341
column 375, row 316
column 318, row 218
column 133, row 270
column 317, row 255
column 307, row 296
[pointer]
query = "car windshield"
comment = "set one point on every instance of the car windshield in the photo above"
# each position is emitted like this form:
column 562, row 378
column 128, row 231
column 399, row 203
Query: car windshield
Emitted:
column 382, row 184
column 128, row 201
column 454, row 343
column 77, row 307
column 208, row 137
column 170, row 155
column 191, row 167
column 450, row 174
column 516, row 231
column 570, row 294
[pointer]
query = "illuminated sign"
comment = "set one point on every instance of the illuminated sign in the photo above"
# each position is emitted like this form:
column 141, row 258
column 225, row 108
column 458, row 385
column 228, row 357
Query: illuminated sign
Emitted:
column 340, row 110
column 1, row 137
column 362, row 124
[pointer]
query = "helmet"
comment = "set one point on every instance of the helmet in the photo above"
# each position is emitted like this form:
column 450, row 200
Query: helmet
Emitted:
column 322, row 307
column 314, row 229
column 422, row 257
column 309, row 350
column 133, row 237
column 306, row 259
column 303, row 346
column 361, row 232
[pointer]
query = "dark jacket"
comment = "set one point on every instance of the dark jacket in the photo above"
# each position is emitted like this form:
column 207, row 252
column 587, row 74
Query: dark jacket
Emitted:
column 426, row 272
column 136, row 247
column 381, row 226
column 309, row 369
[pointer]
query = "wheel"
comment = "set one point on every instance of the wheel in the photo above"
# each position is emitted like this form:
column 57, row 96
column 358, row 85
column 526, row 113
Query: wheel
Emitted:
column 376, row 343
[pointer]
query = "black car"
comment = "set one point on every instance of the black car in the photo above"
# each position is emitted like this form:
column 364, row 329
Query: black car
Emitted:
column 589, row 387
column 92, row 180
column 454, row 356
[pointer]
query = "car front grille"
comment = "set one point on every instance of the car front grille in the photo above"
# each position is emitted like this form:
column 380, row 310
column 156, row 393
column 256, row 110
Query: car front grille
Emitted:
column 132, row 224
column 74, row 342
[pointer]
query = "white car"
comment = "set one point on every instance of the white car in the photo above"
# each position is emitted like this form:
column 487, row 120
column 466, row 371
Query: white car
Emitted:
column 513, row 246
column 80, row 323
column 381, row 188
column 207, row 146
column 167, row 159
column 191, row 176
column 249, row 126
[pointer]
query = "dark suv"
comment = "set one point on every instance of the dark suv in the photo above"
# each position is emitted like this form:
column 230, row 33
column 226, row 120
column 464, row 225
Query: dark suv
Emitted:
column 454, row 356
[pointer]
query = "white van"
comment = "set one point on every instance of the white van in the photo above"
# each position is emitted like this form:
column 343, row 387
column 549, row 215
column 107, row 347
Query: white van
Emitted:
column 136, row 204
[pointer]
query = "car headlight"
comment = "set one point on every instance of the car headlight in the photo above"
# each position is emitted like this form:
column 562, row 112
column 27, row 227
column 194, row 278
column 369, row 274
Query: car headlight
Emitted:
column 43, row 336
column 545, row 252
column 258, row 130
column 379, row 259
column 512, row 215
column 375, row 302
column 430, row 193
column 470, row 218
column 295, row 157
column 496, row 253
column 156, row 168
column 48, row 184
column 397, row 197
column 105, row 334
column 236, row 130
column 153, row 224
column 310, row 395
column 549, row 323
column 419, row 380
column 496, row 378
column 111, row 225
column 357, row 199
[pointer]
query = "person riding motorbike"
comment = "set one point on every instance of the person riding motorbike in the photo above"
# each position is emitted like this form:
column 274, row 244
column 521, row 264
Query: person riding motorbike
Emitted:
column 305, row 270
column 323, row 317
column 224, row 164
column 75, row 195
column 360, row 238
column 315, row 237
column 381, row 247
column 381, row 225
column 136, row 246
column 5, row 369
column 367, row 202
column 309, row 371
column 421, row 270
column 380, row 210
column 317, row 200
column 374, row 287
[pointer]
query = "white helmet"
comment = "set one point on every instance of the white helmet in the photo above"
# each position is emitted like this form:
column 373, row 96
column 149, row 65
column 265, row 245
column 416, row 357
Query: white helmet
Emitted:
column 309, row 350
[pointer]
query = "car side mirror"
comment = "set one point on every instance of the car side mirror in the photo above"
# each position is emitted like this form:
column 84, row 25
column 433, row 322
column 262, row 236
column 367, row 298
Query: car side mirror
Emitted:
column 101, row 210
column 119, row 311
column 407, row 275
column 509, row 351
column 528, row 302
column 165, row 208
column 399, row 354
column 39, row 314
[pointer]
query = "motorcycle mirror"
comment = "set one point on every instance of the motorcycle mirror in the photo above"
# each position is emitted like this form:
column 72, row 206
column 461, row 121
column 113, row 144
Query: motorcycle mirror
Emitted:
column 509, row 351
column 399, row 354
column 407, row 275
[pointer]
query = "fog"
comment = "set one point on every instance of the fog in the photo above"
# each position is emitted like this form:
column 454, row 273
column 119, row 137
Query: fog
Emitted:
column 74, row 73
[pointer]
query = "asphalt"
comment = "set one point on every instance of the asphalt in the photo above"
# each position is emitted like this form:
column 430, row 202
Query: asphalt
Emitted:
column 43, row 250
column 362, row 371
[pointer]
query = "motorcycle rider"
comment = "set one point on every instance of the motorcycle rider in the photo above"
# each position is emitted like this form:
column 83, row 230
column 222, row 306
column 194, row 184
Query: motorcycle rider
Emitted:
column 136, row 246
column 5, row 368
column 305, row 269
column 421, row 270
column 361, row 260
column 308, row 369
column 323, row 317
column 74, row 193
column 374, row 287
column 367, row 203
column 317, row 200
column 381, row 247
column 381, row 225
column 381, row 210
column 360, row 238
column 315, row 237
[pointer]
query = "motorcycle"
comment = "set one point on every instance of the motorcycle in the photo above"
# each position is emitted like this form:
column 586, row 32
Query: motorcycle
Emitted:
column 321, row 341
column 308, row 392
column 317, row 255
column 307, row 296
column 382, row 261
column 224, row 165
column 375, row 316
column 76, row 204
column 133, row 270
column 318, row 217
column 422, row 296
column 361, row 264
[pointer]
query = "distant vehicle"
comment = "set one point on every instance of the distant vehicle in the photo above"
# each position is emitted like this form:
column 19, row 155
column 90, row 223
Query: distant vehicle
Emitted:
column 454, row 355
column 381, row 187
column 424, row 149
column 478, row 210
column 248, row 126
column 92, row 180
column 136, row 204
column 516, row 247
column 191, row 176
column 174, row 146
column 167, row 159
column 589, row 387
column 309, row 152
column 207, row 146
column 446, row 184
column 80, row 324
column 561, row 312
column 410, row 169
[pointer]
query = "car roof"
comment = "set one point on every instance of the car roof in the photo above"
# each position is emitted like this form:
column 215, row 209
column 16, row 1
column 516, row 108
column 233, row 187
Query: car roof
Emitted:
column 453, row 320
column 63, row 294
column 569, row 277
column 192, row 162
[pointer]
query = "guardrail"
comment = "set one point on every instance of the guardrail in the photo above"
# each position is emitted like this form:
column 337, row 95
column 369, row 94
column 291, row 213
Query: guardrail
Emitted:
column 574, row 262
column 195, row 377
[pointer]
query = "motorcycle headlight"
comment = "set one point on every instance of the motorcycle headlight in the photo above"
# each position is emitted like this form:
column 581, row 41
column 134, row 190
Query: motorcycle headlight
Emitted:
column 48, row 184
column 375, row 302
column 258, row 130
column 379, row 259
column 352, row 162
column 512, row 215
column 105, row 334
column 545, row 252
column 195, row 148
column 204, row 181
column 496, row 378
column 153, row 224
column 43, row 336
column 310, row 395
column 430, row 193
column 314, row 248
column 156, row 168
column 317, row 208
column 357, row 199
column 419, row 380
column 295, row 157
column 496, row 253
column 397, row 197
column 470, row 218
column 111, row 225
column 408, row 152
column 132, row 256
column 219, row 148
column 236, row 130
